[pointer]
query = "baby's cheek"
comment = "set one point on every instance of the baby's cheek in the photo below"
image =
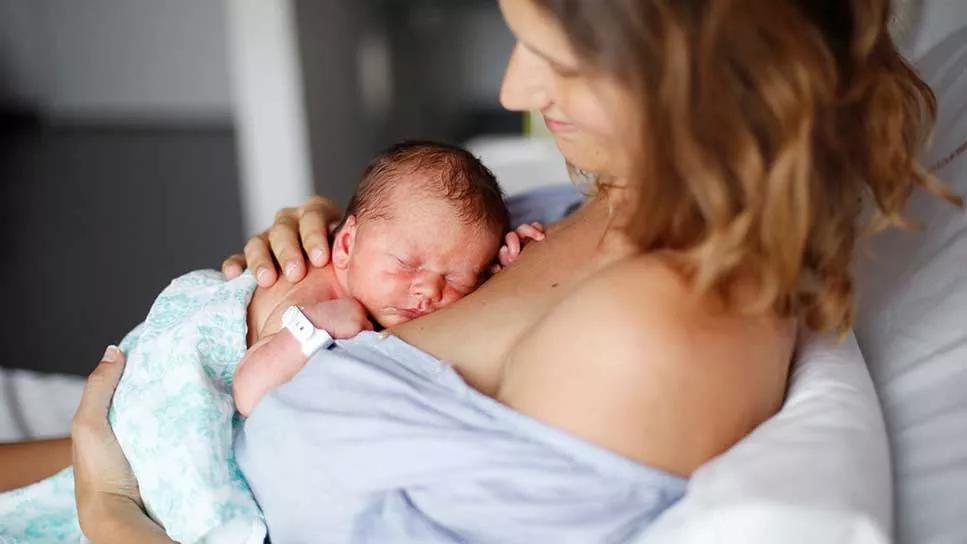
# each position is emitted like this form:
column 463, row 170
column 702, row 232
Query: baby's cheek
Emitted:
column 394, row 284
column 451, row 296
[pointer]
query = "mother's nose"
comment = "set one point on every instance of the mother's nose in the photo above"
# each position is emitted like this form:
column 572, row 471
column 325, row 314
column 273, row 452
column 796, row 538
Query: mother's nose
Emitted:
column 525, row 85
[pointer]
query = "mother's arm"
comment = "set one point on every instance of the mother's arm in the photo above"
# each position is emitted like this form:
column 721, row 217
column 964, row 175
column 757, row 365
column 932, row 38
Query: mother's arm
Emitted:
column 27, row 462
column 109, row 504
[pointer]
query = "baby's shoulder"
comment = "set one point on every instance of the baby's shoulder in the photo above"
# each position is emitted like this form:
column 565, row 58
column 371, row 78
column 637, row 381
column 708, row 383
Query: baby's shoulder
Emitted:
column 268, row 303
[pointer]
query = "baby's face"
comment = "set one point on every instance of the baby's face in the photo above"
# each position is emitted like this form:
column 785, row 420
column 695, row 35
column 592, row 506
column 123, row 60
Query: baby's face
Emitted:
column 420, row 260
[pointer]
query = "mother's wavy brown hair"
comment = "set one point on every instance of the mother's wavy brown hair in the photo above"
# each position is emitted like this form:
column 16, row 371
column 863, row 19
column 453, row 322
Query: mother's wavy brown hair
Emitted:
column 765, row 124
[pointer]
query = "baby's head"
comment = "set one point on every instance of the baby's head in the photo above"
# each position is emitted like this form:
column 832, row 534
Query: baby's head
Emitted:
column 421, row 231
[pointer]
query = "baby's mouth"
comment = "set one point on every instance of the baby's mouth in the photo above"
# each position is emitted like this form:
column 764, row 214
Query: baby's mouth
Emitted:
column 409, row 313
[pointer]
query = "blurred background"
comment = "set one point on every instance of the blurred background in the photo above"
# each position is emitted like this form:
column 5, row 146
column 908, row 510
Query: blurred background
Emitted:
column 140, row 139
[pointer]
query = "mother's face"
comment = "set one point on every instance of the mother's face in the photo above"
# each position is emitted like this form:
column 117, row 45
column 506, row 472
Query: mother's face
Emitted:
column 587, row 113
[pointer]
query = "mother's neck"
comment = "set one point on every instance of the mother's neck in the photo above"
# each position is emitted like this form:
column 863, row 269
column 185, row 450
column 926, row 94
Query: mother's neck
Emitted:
column 620, row 199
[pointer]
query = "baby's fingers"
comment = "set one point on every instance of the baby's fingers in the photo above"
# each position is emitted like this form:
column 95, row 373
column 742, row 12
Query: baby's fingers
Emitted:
column 512, row 242
column 503, row 257
column 511, row 249
column 530, row 231
column 351, row 326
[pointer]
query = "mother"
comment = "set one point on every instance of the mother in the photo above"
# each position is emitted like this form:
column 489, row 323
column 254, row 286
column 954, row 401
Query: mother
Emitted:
column 732, row 143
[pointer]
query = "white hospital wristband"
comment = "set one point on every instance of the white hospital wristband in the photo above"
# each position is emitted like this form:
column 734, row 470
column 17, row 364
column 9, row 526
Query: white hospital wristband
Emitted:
column 310, row 338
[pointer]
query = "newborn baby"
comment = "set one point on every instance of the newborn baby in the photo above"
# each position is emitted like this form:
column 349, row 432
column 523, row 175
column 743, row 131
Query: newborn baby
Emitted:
column 421, row 232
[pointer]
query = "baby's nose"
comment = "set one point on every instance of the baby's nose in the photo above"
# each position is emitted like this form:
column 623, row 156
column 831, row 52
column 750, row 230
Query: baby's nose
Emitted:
column 430, row 289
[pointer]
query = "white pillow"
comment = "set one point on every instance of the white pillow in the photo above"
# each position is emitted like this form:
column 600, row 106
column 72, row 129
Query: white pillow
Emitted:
column 912, row 327
column 818, row 471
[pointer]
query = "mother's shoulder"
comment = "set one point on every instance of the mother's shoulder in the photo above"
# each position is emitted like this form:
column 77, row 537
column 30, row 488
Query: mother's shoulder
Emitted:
column 636, row 362
column 644, row 297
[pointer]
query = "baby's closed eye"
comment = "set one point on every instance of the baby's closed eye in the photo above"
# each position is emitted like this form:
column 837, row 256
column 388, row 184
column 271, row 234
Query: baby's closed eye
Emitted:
column 405, row 264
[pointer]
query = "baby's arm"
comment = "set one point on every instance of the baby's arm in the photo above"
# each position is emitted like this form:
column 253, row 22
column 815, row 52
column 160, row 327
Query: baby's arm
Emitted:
column 275, row 359
column 269, row 363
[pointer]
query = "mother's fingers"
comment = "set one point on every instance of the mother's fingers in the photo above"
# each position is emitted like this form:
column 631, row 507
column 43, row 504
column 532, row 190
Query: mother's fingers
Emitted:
column 314, row 221
column 284, row 239
column 323, row 206
column 260, row 260
column 314, row 231
column 233, row 266
column 99, row 390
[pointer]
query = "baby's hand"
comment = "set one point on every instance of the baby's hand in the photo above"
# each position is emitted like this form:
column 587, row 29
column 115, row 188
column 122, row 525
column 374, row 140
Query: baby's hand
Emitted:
column 341, row 317
column 515, row 241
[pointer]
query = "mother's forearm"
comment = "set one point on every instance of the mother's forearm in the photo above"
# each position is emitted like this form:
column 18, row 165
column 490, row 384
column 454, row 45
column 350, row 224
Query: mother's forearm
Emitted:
column 23, row 463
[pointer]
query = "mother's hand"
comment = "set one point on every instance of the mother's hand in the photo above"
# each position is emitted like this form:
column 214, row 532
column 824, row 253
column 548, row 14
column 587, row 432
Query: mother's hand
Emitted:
column 109, row 504
column 297, row 232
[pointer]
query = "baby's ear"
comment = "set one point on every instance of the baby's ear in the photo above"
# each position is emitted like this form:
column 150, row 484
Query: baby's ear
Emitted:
column 343, row 242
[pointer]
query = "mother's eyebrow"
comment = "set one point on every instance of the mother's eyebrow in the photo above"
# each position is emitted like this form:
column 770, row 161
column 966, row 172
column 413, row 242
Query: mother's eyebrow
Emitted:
column 551, row 60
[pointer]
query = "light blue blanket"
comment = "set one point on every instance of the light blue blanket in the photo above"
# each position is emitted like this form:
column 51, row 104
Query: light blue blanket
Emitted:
column 375, row 441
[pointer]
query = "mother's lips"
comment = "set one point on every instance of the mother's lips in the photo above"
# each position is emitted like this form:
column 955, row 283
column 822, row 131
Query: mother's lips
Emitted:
column 557, row 126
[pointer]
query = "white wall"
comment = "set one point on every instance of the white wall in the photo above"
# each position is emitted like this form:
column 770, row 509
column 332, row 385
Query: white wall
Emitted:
column 155, row 59
column 270, row 115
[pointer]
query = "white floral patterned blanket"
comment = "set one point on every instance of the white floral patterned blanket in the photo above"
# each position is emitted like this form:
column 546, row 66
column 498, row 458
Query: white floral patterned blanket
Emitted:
column 174, row 416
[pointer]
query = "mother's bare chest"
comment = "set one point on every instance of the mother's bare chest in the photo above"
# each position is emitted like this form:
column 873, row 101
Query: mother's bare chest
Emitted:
column 477, row 333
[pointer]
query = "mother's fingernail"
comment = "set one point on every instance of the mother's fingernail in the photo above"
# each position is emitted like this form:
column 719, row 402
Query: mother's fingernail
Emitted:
column 290, row 268
column 110, row 354
column 260, row 275
column 316, row 256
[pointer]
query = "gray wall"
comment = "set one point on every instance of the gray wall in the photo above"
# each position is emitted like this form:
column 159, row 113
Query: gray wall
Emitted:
column 102, row 59
column 134, row 180
column 448, row 62
column 444, row 61
column 341, row 136
column 21, row 48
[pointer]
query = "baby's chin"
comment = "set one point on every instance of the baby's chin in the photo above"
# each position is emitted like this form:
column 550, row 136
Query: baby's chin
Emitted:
column 391, row 320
